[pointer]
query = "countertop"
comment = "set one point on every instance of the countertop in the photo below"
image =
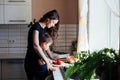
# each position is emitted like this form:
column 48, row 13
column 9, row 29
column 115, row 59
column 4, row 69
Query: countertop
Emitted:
column 22, row 55
column 12, row 56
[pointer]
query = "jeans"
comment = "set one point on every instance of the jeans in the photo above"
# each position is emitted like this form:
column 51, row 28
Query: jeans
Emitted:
column 39, row 74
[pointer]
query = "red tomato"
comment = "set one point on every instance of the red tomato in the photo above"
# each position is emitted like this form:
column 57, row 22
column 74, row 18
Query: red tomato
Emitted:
column 58, row 62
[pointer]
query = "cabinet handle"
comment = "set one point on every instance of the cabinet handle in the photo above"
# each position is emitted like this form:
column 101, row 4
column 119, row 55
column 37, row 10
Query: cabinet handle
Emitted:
column 17, row 20
column 9, row 41
column 15, row 1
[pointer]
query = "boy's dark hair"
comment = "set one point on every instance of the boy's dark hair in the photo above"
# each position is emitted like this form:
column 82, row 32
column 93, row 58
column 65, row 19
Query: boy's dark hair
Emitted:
column 45, row 38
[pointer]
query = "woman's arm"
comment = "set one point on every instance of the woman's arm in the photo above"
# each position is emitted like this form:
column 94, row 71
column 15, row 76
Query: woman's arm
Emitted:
column 39, row 50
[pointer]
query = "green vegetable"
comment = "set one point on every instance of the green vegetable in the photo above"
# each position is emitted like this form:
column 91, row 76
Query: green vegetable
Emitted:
column 102, row 63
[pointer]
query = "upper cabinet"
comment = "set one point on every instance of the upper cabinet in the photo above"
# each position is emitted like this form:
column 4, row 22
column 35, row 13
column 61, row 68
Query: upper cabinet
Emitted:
column 17, row 2
column 1, row 12
column 1, row 1
column 16, row 12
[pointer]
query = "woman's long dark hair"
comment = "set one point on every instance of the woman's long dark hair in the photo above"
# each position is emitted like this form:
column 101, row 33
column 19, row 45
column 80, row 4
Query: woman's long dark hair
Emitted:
column 53, row 15
column 53, row 31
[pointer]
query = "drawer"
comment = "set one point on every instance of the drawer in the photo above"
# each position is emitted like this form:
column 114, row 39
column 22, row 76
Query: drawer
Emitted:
column 13, row 69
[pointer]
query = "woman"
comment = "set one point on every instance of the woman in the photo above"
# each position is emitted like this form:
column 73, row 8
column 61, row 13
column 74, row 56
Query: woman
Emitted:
column 48, row 23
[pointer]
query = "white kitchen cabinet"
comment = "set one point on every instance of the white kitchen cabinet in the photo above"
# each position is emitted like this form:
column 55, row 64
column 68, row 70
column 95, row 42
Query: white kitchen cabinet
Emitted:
column 18, row 2
column 1, row 1
column 15, row 12
column 13, row 69
column 1, row 12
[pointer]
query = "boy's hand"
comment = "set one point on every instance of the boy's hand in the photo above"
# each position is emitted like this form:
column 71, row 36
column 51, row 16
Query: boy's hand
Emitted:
column 50, row 68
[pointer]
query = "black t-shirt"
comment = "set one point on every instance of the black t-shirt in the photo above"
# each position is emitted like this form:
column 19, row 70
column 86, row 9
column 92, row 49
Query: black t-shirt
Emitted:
column 32, row 57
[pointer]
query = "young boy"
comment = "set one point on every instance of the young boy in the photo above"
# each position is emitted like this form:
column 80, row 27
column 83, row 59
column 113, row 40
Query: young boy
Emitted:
column 45, row 42
column 41, row 69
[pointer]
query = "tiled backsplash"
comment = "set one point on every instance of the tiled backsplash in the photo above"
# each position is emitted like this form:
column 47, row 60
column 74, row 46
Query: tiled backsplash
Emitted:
column 13, row 38
column 67, row 33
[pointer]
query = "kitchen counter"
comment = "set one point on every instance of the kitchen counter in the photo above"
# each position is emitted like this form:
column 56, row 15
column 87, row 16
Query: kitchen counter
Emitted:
column 22, row 55
column 12, row 56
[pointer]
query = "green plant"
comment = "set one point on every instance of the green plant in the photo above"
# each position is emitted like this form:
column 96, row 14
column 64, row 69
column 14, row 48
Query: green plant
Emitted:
column 74, row 46
column 102, row 63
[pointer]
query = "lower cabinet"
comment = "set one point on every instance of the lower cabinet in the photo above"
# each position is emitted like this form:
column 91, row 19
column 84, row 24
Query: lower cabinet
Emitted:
column 13, row 70
column 0, row 71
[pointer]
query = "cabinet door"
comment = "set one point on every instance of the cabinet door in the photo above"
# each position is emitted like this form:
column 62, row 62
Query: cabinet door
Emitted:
column 17, row 14
column 25, row 2
column 1, row 1
column 13, row 70
column 1, row 14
